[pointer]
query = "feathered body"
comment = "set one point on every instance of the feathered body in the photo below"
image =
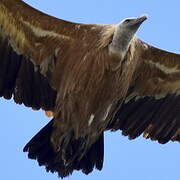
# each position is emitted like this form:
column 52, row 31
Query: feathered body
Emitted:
column 89, row 87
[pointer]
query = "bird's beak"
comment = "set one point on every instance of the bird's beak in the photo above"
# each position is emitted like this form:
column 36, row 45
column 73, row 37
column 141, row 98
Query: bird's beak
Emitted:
column 137, row 22
column 141, row 19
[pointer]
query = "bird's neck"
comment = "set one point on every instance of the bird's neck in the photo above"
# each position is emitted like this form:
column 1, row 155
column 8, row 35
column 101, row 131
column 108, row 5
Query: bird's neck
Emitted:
column 120, row 43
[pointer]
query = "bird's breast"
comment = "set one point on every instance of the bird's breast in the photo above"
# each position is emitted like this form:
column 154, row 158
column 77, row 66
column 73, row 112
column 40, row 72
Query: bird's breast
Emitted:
column 88, row 90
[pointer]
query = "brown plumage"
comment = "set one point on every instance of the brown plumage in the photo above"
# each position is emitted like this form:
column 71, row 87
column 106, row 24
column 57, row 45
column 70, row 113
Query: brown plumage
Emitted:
column 89, row 78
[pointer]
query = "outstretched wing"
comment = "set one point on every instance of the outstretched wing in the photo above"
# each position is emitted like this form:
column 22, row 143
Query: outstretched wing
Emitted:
column 30, row 45
column 152, row 105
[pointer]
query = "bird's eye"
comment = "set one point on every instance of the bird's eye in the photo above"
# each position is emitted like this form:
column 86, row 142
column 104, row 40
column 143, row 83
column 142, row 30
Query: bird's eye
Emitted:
column 127, row 20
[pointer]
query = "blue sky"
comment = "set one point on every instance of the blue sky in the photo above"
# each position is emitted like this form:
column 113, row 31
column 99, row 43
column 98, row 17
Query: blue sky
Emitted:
column 139, row 159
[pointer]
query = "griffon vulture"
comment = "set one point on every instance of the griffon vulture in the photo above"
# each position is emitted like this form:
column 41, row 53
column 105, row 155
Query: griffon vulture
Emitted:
column 90, row 78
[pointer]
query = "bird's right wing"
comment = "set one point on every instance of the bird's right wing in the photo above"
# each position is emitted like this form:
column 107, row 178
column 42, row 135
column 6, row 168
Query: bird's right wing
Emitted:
column 152, row 105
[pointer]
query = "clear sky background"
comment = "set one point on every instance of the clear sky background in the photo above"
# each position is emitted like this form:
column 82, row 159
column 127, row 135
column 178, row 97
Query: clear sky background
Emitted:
column 139, row 159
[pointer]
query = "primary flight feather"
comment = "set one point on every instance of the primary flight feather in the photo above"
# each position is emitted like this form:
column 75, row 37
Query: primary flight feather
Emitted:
column 89, row 78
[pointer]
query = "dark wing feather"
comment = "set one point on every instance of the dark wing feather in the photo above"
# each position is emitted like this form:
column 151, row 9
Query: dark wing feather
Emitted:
column 19, row 80
column 26, row 57
column 152, row 105
column 31, row 45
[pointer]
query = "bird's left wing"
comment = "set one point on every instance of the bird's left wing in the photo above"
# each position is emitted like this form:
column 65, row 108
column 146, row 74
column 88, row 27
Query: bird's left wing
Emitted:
column 152, row 105
column 31, row 43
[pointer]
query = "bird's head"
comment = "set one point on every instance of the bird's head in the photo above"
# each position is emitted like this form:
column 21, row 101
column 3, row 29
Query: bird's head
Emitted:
column 132, row 24
column 123, row 35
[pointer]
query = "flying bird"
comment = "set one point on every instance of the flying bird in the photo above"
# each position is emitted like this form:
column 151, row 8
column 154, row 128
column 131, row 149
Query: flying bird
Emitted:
column 89, row 78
